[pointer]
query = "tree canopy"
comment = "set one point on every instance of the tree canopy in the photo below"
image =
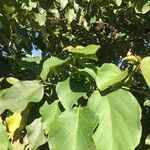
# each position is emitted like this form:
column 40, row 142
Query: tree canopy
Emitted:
column 74, row 74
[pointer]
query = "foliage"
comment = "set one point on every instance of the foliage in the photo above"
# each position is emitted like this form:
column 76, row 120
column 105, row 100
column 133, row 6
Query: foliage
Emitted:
column 88, row 87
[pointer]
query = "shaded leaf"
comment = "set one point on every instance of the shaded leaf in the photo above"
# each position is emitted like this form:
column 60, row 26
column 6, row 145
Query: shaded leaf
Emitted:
column 73, row 130
column 9, row 9
column 16, row 145
column 17, row 97
column 119, row 120
column 88, row 73
column 32, row 59
column 50, row 65
column 30, row 5
column 35, row 134
column 88, row 50
column 1, row 79
column 108, row 75
column 145, row 68
column 49, row 114
column 69, row 91
column 3, row 138
column 146, row 7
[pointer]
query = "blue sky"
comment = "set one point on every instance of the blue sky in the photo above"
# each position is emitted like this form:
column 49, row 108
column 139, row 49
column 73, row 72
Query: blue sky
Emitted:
column 35, row 52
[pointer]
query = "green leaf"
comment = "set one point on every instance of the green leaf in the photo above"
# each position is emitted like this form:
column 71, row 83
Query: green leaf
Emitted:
column 88, row 73
column 118, row 2
column 1, row 79
column 147, row 103
column 146, row 8
column 40, row 18
column 32, row 59
column 145, row 68
column 88, row 50
column 93, row 20
column 30, row 5
column 35, row 134
column 63, row 3
column 70, row 90
column 3, row 137
column 9, row 9
column 49, row 113
column 50, row 65
column 142, row 7
column 70, row 15
column 147, row 140
column 73, row 130
column 119, row 120
column 91, row 57
column 29, row 63
column 108, row 75
column 12, row 80
column 17, row 97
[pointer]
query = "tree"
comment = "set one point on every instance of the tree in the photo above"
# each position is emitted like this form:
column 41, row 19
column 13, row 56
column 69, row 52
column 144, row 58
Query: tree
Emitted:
column 87, row 87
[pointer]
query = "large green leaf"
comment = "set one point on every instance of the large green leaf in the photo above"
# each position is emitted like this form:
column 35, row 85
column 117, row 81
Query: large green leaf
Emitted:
column 145, row 68
column 73, row 130
column 70, row 90
column 108, row 75
column 119, row 120
column 88, row 50
column 3, row 137
column 35, row 134
column 17, row 97
column 49, row 114
column 49, row 65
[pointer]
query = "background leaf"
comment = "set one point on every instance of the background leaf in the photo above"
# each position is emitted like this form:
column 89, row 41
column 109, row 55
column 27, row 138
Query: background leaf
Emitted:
column 70, row 15
column 147, row 141
column 35, row 134
column 146, row 7
column 88, row 50
column 40, row 18
column 63, row 3
column 118, row 2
